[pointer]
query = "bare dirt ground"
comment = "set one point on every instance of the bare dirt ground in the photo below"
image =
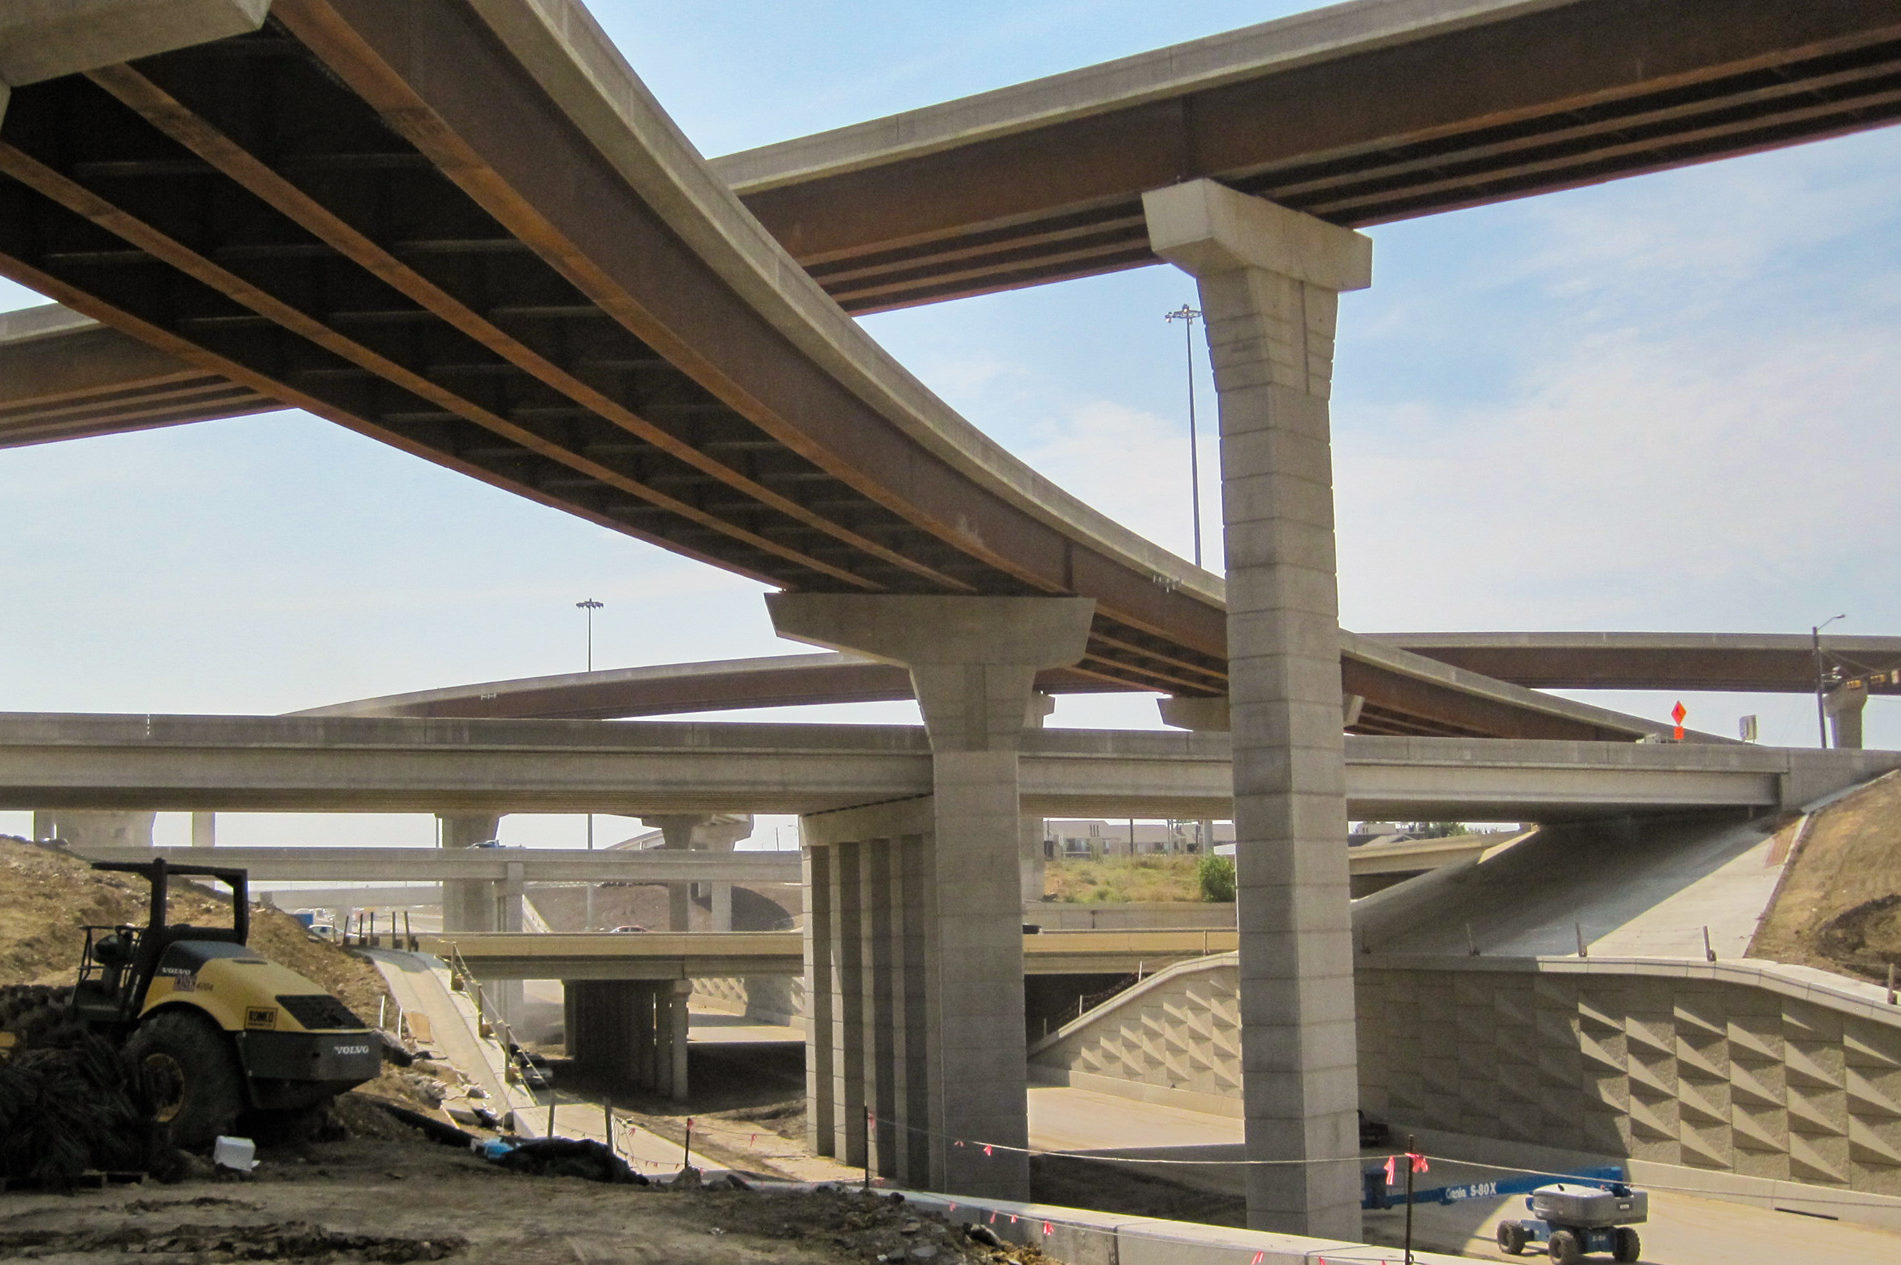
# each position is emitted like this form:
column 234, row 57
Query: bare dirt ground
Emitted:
column 399, row 1199
column 378, row 1190
column 1839, row 904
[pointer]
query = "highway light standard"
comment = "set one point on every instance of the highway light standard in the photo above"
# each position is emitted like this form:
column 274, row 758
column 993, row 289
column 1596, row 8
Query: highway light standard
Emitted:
column 1188, row 316
column 590, row 606
column 1821, row 684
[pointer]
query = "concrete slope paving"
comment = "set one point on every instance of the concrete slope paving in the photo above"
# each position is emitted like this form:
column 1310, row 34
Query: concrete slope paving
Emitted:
column 1646, row 891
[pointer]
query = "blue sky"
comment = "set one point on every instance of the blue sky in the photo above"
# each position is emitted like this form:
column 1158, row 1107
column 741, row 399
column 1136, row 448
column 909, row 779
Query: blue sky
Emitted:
column 1663, row 403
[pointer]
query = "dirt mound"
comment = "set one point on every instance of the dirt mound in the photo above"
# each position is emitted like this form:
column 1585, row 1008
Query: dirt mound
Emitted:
column 1838, row 906
column 48, row 896
column 286, row 1241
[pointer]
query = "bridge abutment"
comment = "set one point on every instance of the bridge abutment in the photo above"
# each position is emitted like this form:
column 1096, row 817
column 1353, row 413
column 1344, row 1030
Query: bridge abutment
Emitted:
column 1269, row 280
column 914, row 948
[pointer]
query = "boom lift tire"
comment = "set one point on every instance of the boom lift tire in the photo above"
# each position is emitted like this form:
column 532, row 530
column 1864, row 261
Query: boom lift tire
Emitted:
column 1565, row 1248
column 191, row 1075
column 1511, row 1238
column 1628, row 1246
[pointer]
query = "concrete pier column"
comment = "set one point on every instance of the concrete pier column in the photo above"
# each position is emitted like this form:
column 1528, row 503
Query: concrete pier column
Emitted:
column 94, row 828
column 1844, row 707
column 1269, row 280
column 702, row 832
column 468, row 904
column 722, row 911
column 973, row 665
column 204, row 830
column 678, row 1026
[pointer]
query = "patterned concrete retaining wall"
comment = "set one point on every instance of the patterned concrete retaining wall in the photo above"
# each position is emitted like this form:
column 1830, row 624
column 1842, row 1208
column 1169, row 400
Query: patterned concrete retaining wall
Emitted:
column 1177, row 1037
column 765, row 998
column 1737, row 1068
column 1747, row 1068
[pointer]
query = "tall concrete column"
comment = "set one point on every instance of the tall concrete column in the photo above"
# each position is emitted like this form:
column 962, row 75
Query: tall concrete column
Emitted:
column 1844, row 707
column 91, row 828
column 973, row 665
column 467, row 904
column 204, row 830
column 678, row 1025
column 1269, row 280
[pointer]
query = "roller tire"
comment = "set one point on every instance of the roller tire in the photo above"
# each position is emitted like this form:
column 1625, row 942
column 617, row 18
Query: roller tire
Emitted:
column 1511, row 1238
column 1629, row 1247
column 36, row 1015
column 190, row 1076
column 1565, row 1248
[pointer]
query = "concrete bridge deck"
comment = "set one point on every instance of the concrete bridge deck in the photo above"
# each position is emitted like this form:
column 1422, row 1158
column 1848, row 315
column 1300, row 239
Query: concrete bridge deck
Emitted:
column 713, row 955
column 292, row 764
column 536, row 865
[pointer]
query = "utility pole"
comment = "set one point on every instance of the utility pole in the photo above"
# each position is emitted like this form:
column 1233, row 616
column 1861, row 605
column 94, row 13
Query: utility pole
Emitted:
column 1188, row 316
column 1821, row 680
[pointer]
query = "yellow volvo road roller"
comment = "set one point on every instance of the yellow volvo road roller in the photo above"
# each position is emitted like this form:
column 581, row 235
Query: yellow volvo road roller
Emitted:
column 214, row 1028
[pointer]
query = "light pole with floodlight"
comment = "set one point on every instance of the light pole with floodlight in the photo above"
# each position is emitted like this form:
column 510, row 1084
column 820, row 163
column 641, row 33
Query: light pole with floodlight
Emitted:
column 590, row 606
column 1188, row 316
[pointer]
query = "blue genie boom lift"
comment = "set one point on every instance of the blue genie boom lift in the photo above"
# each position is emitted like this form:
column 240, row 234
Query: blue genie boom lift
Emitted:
column 1590, row 1210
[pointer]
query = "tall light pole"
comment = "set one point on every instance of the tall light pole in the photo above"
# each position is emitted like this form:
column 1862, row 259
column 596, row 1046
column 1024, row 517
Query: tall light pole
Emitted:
column 1188, row 316
column 590, row 606
column 1821, row 712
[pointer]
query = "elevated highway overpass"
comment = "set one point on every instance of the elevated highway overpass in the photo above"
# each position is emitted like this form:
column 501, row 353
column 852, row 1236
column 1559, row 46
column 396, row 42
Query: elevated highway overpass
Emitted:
column 711, row 399
column 291, row 764
column 434, row 865
column 1042, row 181
column 714, row 955
column 462, row 227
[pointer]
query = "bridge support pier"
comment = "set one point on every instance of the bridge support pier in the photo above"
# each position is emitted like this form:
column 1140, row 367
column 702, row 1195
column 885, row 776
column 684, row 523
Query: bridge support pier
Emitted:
column 711, row 832
column 94, row 828
column 634, row 1030
column 1269, row 280
column 1844, row 707
column 913, row 943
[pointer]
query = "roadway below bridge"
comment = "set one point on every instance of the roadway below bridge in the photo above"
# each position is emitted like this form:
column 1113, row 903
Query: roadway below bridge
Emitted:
column 292, row 764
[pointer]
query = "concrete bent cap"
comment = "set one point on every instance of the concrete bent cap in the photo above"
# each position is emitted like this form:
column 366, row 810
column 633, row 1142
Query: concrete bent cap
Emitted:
column 1203, row 227
column 1037, row 632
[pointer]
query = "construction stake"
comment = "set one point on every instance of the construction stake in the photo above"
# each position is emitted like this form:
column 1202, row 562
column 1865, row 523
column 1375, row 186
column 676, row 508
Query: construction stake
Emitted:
column 1412, row 1148
column 551, row 1101
column 686, row 1147
column 1709, row 954
column 1582, row 952
column 607, row 1123
column 1891, row 983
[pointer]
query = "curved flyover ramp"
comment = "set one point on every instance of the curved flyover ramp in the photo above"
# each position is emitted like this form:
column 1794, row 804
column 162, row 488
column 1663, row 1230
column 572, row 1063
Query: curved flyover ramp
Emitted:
column 465, row 229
